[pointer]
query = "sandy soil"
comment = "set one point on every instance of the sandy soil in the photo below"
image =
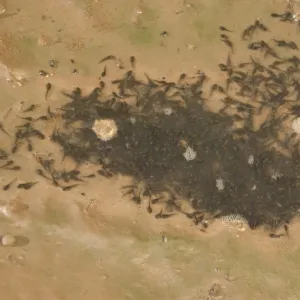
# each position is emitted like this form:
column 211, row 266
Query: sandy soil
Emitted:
column 90, row 243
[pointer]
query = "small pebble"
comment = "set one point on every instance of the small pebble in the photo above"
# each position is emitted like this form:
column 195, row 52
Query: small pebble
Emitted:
column 8, row 240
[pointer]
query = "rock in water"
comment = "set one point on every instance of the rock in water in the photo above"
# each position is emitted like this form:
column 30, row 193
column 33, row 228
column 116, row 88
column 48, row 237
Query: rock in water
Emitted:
column 8, row 240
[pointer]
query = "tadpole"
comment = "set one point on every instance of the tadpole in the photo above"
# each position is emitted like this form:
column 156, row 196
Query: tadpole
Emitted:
column 15, row 168
column 132, row 62
column 31, row 108
column 69, row 187
column 160, row 215
column 9, row 163
column 48, row 88
column 103, row 74
column 7, row 186
column 3, row 130
column 27, row 185
column 149, row 208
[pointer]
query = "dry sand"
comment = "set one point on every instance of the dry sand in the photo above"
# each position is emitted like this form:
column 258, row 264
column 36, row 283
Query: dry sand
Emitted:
column 90, row 243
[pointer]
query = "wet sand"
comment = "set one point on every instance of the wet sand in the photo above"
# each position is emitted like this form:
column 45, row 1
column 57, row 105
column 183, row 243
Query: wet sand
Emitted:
column 98, row 244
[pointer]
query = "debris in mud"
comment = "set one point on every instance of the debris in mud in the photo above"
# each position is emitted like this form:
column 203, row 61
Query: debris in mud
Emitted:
column 53, row 63
column 164, row 33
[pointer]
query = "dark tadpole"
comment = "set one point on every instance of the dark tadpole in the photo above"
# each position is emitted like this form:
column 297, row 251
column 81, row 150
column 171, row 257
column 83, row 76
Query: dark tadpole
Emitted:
column 224, row 36
column 15, row 168
column 275, row 236
column 29, row 119
column 181, row 77
column 137, row 198
column 89, row 176
column 149, row 208
column 131, row 186
column 7, row 186
column 293, row 45
column 128, row 192
column 15, row 147
column 228, row 43
column 101, row 85
column 3, row 130
column 27, row 185
column 9, row 163
column 261, row 26
column 156, row 200
column 103, row 73
column 31, row 108
column 41, row 173
column 48, row 88
column 132, row 61
column 69, row 187
column 224, row 29
column 38, row 134
column 286, row 229
column 105, row 173
column 248, row 32
column 29, row 145
column 3, row 154
column 109, row 57
column 160, row 215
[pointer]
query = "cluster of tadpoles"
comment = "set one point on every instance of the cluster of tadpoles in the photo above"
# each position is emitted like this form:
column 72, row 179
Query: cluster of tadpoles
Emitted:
column 175, row 148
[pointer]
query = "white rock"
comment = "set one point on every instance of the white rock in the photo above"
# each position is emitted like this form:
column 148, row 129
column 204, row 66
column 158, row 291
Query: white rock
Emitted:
column 168, row 111
column 106, row 129
column 189, row 154
column 251, row 160
column 8, row 240
column 220, row 184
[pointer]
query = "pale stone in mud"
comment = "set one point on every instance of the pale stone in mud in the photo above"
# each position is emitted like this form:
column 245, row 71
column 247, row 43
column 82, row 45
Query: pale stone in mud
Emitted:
column 296, row 125
column 8, row 240
column 105, row 129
